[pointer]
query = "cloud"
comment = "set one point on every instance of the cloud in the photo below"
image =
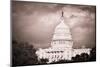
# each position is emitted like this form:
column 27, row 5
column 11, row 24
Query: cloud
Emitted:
column 35, row 23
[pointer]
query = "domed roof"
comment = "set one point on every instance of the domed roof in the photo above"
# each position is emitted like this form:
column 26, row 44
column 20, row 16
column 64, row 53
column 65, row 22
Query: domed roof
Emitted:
column 62, row 31
column 62, row 36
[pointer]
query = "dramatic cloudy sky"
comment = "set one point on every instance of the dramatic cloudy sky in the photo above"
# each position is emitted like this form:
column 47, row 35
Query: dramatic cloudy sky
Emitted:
column 35, row 23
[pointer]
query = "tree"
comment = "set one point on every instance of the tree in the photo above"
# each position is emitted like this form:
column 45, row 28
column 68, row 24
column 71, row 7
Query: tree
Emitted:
column 77, row 58
column 43, row 61
column 81, row 58
column 93, row 54
column 84, row 57
column 23, row 54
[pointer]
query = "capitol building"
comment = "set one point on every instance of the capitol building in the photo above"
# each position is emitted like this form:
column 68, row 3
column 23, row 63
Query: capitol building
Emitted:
column 61, row 45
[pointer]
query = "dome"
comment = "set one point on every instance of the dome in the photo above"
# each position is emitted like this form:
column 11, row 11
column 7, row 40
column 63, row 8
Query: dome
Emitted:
column 62, row 36
column 62, row 32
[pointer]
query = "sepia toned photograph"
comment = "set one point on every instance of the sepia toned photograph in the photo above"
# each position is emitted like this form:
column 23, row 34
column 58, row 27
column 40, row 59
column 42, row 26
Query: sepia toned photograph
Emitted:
column 52, row 33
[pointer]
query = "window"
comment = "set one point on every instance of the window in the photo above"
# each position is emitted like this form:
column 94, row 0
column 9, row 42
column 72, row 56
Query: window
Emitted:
column 54, row 42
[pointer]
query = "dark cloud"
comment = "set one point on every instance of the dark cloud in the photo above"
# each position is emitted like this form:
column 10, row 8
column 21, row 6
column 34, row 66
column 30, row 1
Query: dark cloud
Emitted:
column 35, row 23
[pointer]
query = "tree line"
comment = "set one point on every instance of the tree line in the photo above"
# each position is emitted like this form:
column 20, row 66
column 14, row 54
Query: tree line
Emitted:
column 23, row 54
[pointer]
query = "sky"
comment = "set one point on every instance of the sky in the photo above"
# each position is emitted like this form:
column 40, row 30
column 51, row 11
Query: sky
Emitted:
column 35, row 23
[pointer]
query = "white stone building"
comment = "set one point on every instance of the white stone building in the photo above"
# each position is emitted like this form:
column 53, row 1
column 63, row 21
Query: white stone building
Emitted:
column 61, row 45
